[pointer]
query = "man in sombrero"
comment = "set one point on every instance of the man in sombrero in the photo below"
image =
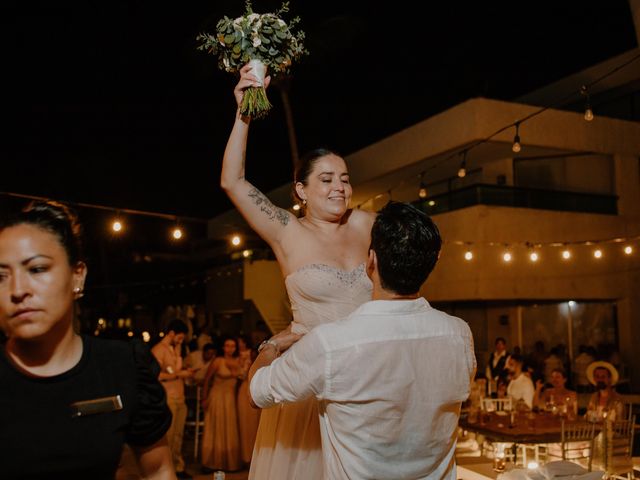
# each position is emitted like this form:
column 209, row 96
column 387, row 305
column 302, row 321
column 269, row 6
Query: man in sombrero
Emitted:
column 605, row 403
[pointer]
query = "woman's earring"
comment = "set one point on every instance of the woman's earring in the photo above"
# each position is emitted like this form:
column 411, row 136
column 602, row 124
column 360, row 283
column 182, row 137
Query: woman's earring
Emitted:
column 304, row 201
column 78, row 291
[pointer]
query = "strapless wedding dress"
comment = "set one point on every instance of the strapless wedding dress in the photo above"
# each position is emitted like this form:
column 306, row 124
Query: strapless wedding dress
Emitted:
column 288, row 440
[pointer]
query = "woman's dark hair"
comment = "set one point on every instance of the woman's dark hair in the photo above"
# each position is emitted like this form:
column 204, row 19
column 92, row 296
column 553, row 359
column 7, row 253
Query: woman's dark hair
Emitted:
column 234, row 340
column 407, row 244
column 55, row 218
column 305, row 166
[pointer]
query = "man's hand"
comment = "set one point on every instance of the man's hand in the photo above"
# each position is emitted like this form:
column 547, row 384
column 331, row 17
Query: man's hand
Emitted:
column 285, row 339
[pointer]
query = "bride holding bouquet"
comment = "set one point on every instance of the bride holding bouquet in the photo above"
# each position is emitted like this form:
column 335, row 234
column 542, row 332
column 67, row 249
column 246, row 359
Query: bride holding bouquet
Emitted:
column 322, row 257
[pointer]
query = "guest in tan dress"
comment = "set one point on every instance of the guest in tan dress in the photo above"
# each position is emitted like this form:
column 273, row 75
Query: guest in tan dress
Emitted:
column 220, row 440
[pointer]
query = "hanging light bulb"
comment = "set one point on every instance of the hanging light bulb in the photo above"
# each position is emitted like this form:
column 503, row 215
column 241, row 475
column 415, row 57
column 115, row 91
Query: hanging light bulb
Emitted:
column 597, row 253
column 628, row 250
column 566, row 254
column 117, row 226
column 176, row 233
column 507, row 257
column 588, row 112
column 468, row 255
column 516, row 147
column 236, row 240
column 422, row 193
column 533, row 256
column 462, row 171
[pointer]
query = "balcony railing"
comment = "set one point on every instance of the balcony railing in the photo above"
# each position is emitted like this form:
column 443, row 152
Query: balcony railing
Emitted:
column 483, row 194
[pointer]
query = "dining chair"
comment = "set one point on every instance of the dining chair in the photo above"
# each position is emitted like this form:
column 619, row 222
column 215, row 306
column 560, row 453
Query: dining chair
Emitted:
column 197, row 423
column 576, row 444
column 497, row 404
column 618, row 452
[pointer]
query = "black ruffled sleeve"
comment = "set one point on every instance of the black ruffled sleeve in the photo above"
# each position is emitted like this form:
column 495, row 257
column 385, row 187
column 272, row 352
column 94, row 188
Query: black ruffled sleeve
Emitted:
column 151, row 418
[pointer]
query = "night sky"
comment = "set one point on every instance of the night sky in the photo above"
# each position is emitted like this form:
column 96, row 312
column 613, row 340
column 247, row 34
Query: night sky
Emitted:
column 110, row 102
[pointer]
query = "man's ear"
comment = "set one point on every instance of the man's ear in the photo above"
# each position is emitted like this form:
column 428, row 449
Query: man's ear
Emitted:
column 372, row 262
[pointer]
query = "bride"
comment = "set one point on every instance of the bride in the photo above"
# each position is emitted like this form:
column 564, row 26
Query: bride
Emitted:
column 322, row 256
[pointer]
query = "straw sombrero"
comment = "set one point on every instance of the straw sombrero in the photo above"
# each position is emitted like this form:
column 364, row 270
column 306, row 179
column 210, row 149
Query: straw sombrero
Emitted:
column 600, row 364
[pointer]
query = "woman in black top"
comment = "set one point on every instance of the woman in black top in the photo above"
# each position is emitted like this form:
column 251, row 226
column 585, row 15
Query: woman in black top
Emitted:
column 68, row 402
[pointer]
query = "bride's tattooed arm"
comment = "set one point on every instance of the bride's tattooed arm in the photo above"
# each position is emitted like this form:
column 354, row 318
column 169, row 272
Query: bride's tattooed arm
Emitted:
column 268, row 208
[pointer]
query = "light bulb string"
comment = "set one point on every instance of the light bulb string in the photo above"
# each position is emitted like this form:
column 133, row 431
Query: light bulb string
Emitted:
column 535, row 245
column 558, row 103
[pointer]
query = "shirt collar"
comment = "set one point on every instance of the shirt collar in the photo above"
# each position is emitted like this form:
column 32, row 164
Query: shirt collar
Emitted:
column 393, row 306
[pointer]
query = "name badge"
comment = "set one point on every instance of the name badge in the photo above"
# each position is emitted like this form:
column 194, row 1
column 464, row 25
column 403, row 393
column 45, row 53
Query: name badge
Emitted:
column 97, row 405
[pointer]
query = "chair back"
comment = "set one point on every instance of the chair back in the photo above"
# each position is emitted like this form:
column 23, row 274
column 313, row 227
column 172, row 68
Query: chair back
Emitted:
column 577, row 441
column 497, row 404
column 619, row 446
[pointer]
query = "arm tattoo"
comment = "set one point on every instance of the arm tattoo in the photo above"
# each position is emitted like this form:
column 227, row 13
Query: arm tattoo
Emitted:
column 270, row 210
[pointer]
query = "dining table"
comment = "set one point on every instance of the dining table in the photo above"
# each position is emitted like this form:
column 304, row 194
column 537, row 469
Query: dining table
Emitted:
column 516, row 427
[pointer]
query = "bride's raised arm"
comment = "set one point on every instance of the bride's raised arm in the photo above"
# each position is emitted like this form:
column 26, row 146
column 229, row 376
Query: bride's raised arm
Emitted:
column 265, row 218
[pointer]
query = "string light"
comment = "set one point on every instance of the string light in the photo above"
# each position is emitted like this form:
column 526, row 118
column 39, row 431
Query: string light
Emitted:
column 516, row 147
column 117, row 226
column 246, row 253
column 236, row 240
column 597, row 253
column 566, row 254
column 584, row 90
column 462, row 171
column 507, row 257
column 588, row 113
column 628, row 250
column 468, row 255
column 176, row 233
column 422, row 192
column 533, row 256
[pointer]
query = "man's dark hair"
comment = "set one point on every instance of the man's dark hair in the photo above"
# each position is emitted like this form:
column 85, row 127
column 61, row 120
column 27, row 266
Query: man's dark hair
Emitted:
column 178, row 326
column 500, row 339
column 517, row 358
column 407, row 244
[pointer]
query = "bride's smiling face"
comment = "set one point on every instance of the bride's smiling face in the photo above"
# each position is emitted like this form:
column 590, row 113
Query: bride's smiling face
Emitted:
column 327, row 189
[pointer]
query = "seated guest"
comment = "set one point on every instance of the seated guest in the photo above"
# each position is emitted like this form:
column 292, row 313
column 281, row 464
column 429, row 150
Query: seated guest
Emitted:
column 556, row 396
column 390, row 377
column 605, row 403
column 521, row 386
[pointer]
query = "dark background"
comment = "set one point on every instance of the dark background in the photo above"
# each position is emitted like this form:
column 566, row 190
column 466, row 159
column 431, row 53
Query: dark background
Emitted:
column 110, row 102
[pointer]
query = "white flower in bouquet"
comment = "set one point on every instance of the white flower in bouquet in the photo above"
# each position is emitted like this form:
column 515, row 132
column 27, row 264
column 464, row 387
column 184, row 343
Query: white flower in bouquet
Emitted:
column 264, row 40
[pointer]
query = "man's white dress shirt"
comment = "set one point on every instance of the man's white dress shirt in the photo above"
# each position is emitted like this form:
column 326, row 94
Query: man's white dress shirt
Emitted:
column 521, row 388
column 390, row 379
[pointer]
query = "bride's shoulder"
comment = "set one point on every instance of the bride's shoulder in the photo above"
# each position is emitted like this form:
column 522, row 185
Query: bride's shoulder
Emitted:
column 362, row 218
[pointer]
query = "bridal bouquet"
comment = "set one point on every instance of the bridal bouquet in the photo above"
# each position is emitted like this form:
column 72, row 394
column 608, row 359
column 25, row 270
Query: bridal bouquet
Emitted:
column 265, row 41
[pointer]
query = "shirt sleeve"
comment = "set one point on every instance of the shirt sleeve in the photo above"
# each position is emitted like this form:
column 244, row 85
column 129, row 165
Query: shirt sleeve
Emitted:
column 297, row 374
column 152, row 417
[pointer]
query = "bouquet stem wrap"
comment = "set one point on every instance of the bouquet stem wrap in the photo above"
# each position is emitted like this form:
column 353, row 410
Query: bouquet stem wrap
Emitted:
column 255, row 103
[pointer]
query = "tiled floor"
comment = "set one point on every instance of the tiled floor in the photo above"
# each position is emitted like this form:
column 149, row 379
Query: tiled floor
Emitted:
column 194, row 467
